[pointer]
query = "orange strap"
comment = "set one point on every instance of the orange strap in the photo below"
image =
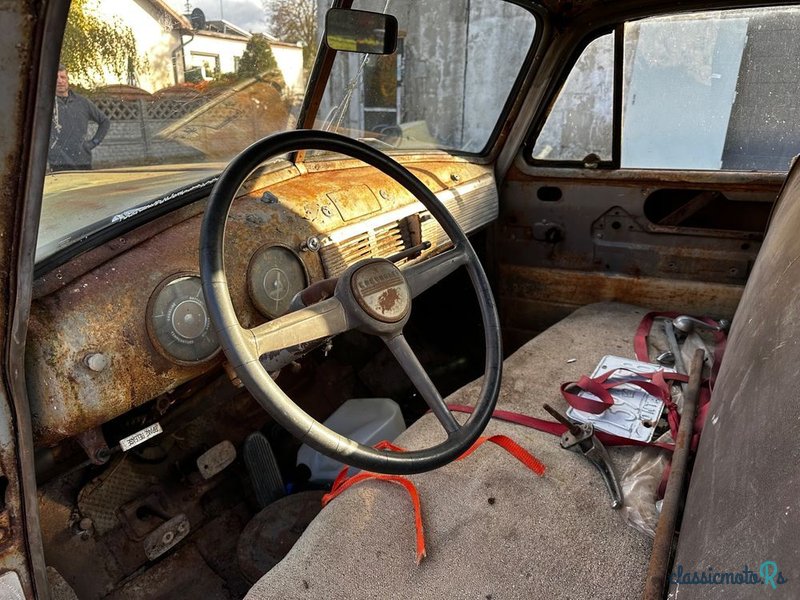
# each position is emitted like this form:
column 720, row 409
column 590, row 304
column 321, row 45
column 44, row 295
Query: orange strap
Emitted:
column 399, row 480
column 343, row 482
column 513, row 448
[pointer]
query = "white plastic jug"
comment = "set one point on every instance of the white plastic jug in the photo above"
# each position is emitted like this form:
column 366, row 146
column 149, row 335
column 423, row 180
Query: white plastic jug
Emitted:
column 365, row 420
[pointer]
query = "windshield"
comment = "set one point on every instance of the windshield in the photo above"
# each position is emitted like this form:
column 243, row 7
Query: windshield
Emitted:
column 446, row 84
column 154, row 97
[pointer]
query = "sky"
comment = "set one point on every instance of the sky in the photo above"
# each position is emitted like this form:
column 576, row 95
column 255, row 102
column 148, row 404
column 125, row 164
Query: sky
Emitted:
column 247, row 14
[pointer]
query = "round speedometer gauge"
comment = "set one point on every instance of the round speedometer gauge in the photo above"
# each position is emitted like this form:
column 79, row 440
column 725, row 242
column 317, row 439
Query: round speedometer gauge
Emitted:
column 178, row 321
column 274, row 276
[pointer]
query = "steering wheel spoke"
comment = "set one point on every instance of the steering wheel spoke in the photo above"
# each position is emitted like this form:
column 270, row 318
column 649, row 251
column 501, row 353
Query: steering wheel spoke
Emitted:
column 425, row 274
column 419, row 377
column 315, row 322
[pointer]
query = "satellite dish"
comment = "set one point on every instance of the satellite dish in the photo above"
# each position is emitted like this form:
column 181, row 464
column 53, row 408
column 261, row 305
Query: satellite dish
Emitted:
column 198, row 19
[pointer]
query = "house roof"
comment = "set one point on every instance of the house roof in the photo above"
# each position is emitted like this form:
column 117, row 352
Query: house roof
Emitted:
column 223, row 26
column 178, row 19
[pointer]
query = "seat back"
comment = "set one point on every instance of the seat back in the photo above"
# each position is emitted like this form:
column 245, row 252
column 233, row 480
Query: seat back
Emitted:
column 743, row 505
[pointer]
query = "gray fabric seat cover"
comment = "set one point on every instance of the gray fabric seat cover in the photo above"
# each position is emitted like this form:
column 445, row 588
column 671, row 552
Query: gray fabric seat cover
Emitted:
column 539, row 537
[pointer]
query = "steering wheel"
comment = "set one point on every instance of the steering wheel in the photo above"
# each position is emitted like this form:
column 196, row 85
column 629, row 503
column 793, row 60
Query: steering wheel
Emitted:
column 373, row 296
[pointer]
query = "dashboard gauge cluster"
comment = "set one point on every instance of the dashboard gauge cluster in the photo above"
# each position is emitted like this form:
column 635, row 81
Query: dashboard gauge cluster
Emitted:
column 178, row 321
column 275, row 275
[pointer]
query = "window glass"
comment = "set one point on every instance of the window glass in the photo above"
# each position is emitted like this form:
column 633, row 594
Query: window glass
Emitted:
column 711, row 91
column 156, row 96
column 447, row 84
column 580, row 122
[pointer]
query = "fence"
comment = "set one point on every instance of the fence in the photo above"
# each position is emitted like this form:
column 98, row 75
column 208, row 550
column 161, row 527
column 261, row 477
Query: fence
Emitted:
column 133, row 136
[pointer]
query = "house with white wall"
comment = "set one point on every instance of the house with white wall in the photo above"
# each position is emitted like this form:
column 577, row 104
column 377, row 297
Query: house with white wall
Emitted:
column 220, row 45
column 215, row 49
column 172, row 46
column 157, row 29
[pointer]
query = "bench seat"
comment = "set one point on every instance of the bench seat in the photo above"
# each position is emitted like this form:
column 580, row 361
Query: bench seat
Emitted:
column 493, row 528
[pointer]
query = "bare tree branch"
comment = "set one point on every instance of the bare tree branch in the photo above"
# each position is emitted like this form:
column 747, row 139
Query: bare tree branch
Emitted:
column 294, row 21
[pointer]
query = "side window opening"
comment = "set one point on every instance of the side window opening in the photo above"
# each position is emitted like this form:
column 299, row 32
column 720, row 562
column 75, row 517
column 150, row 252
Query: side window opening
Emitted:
column 705, row 91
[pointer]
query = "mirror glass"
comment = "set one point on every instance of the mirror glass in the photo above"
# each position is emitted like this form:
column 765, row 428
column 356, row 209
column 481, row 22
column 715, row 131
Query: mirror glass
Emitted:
column 360, row 31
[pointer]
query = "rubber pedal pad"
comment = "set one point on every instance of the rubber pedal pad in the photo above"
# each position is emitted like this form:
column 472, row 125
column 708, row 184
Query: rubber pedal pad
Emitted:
column 262, row 469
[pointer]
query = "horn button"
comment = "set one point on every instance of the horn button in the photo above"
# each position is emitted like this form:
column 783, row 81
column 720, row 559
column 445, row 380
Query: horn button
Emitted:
column 381, row 291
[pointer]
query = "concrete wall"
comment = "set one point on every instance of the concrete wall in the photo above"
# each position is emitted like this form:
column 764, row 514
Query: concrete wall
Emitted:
column 498, row 41
column 764, row 128
column 580, row 122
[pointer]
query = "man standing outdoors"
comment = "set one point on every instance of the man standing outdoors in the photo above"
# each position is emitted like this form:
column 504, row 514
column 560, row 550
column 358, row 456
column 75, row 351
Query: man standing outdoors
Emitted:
column 69, row 148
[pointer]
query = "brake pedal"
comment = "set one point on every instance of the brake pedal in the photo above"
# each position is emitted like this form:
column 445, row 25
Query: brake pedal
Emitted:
column 263, row 469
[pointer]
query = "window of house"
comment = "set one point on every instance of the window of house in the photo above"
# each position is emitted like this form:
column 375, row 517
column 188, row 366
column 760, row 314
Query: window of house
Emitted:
column 709, row 91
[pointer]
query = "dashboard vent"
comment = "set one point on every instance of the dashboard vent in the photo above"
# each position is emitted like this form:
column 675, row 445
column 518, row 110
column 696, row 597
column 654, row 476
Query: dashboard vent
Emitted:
column 380, row 242
column 473, row 205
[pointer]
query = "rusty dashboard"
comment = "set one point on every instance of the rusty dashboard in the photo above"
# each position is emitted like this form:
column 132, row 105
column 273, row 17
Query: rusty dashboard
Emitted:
column 125, row 323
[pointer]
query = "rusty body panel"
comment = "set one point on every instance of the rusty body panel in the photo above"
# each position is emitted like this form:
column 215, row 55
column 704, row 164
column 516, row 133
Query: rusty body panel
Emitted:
column 533, row 298
column 22, row 26
column 568, row 237
column 732, row 180
column 101, row 308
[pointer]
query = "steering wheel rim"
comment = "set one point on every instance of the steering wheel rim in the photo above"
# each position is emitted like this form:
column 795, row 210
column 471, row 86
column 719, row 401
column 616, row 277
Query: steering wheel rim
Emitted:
column 243, row 347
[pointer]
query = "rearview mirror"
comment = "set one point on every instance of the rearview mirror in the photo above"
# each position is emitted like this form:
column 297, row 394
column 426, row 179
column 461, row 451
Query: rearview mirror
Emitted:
column 360, row 31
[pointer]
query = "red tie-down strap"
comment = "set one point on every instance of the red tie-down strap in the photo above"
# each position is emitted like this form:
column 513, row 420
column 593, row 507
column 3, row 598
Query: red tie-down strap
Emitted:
column 343, row 482
column 654, row 383
column 553, row 428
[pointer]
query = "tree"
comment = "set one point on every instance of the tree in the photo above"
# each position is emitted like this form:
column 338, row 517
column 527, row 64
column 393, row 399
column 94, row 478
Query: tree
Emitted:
column 294, row 21
column 93, row 45
column 257, row 58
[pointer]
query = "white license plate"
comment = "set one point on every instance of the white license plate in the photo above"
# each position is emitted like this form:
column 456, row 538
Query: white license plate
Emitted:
column 633, row 407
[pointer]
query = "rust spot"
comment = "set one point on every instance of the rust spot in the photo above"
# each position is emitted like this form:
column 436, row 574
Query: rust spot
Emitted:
column 533, row 298
column 98, row 302
column 388, row 299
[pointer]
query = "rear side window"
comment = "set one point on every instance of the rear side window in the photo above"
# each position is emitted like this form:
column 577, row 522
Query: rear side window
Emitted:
column 708, row 91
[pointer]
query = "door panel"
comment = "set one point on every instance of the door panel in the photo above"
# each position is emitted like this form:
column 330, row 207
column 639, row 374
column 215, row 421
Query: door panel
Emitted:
column 663, row 240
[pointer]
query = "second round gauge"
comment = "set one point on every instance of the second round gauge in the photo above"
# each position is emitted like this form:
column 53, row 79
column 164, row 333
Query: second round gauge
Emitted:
column 274, row 276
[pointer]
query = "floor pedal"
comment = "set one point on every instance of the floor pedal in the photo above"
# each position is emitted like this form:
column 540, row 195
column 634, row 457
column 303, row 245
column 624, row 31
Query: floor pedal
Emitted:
column 263, row 469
